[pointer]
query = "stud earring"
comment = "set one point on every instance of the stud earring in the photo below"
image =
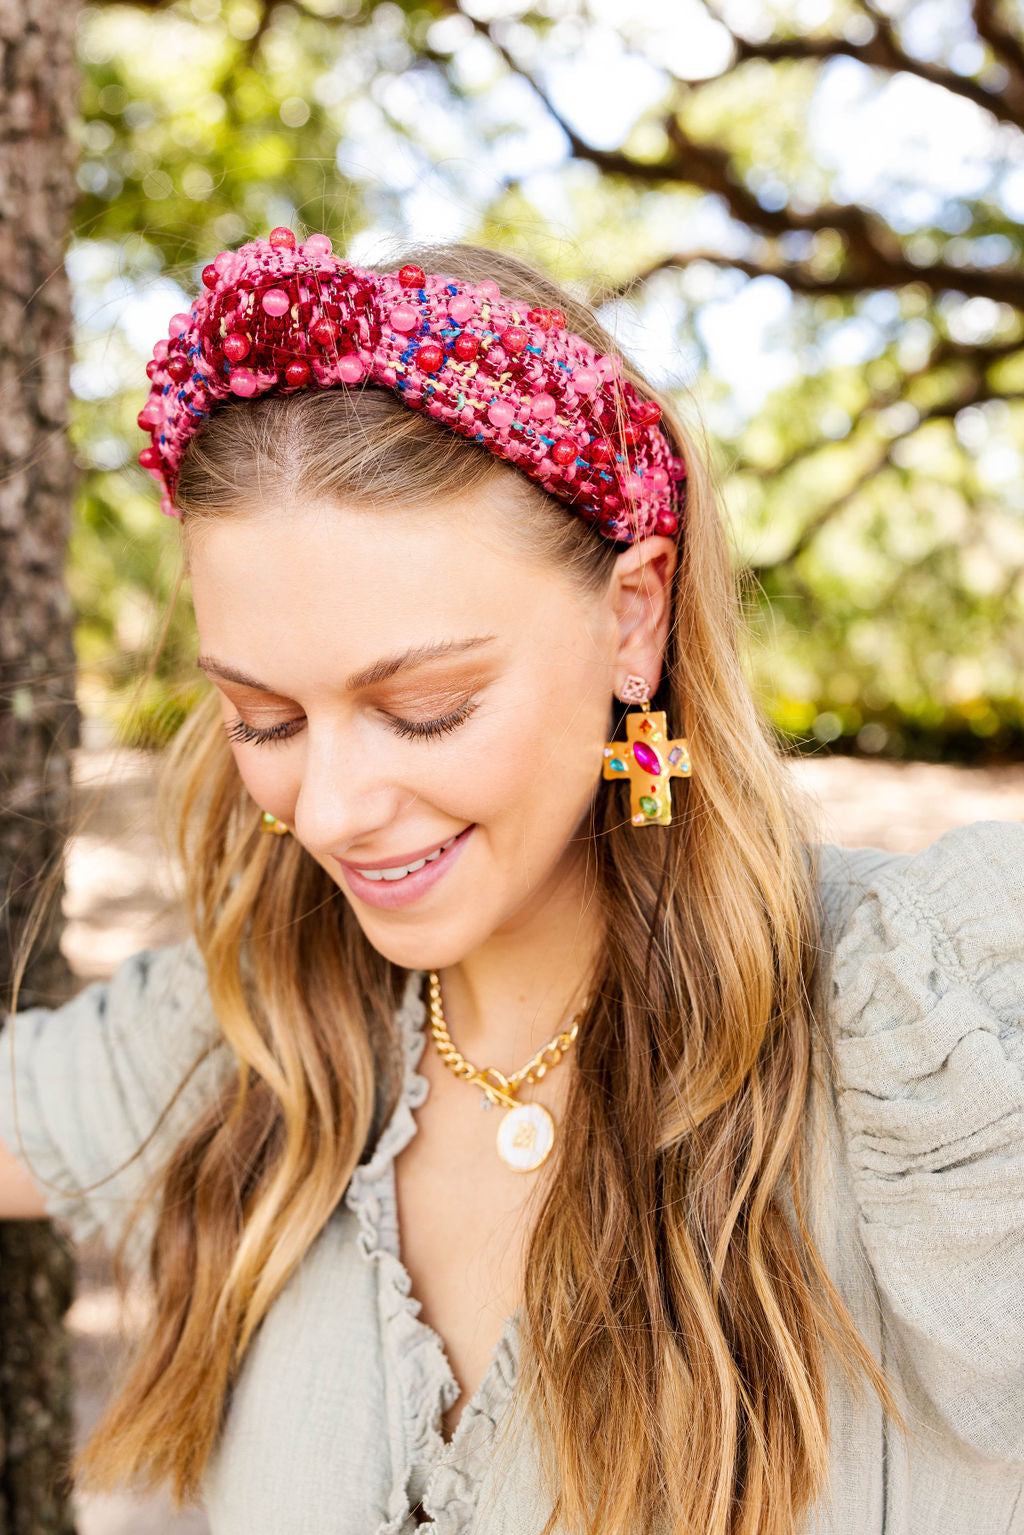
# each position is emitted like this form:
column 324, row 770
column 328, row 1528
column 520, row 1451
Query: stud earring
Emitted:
column 647, row 759
column 269, row 822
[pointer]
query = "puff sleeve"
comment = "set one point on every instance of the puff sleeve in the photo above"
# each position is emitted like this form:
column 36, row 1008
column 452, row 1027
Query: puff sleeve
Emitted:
column 83, row 1085
column 928, row 1037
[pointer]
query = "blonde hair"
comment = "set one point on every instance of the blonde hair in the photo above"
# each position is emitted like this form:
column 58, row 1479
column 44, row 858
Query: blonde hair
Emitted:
column 674, row 1320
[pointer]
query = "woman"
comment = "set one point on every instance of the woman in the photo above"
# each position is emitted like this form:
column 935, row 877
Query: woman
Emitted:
column 748, row 1200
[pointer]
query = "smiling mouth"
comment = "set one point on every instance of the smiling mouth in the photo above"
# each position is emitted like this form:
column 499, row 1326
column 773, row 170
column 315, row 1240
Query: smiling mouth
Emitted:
column 399, row 871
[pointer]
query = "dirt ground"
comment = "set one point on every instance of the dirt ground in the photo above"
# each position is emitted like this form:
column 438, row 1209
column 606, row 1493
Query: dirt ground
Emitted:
column 122, row 895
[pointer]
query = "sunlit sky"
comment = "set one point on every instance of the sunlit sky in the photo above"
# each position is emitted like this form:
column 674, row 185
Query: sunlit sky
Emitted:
column 898, row 144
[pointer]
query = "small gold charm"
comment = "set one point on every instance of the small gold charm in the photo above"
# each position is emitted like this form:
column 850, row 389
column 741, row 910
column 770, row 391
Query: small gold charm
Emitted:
column 270, row 822
column 525, row 1136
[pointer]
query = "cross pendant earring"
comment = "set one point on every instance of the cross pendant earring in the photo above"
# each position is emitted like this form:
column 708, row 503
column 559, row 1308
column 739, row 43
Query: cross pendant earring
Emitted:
column 647, row 759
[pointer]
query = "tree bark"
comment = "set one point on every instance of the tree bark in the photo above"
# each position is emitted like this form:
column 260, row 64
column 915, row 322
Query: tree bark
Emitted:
column 38, row 714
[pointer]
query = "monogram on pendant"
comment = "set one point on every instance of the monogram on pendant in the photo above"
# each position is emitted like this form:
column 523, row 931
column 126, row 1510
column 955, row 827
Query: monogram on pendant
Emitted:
column 524, row 1137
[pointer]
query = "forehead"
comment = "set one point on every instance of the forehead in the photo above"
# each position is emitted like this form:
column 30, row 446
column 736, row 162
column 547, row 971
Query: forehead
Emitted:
column 292, row 585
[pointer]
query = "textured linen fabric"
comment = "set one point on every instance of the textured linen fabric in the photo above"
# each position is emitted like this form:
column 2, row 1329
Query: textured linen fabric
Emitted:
column 915, row 1128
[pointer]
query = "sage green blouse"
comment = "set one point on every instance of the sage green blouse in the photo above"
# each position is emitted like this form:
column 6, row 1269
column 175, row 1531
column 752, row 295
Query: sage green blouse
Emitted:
column 916, row 1130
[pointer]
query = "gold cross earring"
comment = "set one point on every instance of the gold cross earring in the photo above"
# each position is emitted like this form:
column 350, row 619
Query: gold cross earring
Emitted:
column 647, row 759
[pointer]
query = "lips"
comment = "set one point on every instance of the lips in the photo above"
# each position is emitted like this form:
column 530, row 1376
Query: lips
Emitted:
column 366, row 864
column 373, row 886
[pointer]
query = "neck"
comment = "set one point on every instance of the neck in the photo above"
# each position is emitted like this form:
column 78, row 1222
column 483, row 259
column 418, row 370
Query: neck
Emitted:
column 508, row 997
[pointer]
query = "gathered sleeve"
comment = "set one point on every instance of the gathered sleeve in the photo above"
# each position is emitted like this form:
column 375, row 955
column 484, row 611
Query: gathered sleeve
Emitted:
column 83, row 1085
column 928, row 1039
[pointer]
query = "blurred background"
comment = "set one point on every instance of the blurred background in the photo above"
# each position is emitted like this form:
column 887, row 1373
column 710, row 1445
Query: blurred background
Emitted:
column 805, row 219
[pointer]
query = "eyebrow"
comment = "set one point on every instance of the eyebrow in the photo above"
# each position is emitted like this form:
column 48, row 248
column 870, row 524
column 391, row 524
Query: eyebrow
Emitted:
column 377, row 672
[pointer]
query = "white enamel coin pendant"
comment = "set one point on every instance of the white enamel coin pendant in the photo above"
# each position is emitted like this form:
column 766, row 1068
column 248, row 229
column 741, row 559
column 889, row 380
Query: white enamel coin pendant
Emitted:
column 525, row 1136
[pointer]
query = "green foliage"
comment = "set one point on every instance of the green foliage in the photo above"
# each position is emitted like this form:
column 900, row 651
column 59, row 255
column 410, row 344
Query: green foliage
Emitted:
column 874, row 495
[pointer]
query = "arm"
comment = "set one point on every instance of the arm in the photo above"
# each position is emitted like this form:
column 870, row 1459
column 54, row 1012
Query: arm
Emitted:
column 20, row 1199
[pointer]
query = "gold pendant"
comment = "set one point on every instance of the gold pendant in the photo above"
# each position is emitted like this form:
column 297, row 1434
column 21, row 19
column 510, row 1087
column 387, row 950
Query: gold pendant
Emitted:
column 525, row 1136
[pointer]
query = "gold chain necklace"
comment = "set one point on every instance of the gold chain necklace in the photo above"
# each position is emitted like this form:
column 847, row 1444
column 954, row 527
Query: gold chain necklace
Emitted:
column 526, row 1133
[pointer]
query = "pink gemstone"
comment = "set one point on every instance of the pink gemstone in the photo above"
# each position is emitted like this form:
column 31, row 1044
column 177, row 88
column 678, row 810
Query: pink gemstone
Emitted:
column 487, row 290
column 586, row 380
column 658, row 478
column 500, row 412
column 178, row 323
column 350, row 369
column 317, row 245
column 404, row 317
column 160, row 351
column 608, row 367
column 647, row 758
column 543, row 405
column 461, row 307
column 243, row 381
column 276, row 301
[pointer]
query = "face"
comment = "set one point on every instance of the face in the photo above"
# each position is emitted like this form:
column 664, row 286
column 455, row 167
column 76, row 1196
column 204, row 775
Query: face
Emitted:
column 412, row 680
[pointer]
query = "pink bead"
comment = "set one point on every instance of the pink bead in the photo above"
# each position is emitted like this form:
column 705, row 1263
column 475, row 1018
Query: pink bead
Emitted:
column 229, row 265
column 404, row 317
column 542, row 406
column 585, row 380
column 608, row 367
column 317, row 245
column 658, row 478
column 178, row 323
column 350, row 369
column 282, row 238
column 487, row 290
column 243, row 381
column 389, row 377
column 168, row 508
column 632, row 484
column 276, row 301
column 461, row 307
column 500, row 412
column 160, row 350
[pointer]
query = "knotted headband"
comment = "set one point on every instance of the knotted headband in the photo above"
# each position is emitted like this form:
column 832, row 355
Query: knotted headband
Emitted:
column 276, row 318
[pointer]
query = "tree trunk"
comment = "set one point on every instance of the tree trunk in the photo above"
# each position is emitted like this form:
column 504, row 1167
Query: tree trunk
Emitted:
column 38, row 716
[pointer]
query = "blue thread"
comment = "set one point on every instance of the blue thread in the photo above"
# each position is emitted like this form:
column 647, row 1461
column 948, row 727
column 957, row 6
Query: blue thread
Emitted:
column 451, row 288
column 549, row 440
column 538, row 349
column 562, row 364
column 166, row 389
column 163, row 437
column 479, row 436
column 193, row 409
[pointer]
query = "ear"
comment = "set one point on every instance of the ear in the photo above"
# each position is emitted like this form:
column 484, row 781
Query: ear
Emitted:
column 641, row 596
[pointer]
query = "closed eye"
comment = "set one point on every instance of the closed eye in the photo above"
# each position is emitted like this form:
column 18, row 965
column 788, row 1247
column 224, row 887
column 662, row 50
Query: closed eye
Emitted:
column 240, row 730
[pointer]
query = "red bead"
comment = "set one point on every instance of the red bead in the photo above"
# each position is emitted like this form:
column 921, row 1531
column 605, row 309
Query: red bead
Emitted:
column 236, row 346
column 412, row 277
column 466, row 348
column 601, row 451
column 296, row 374
column 631, row 435
column 541, row 317
column 647, row 412
column 514, row 338
column 149, row 458
column 564, row 452
column 611, row 503
column 430, row 356
column 152, row 367
column 282, row 238
column 210, row 276
column 558, row 321
column 323, row 331
column 667, row 522
column 179, row 369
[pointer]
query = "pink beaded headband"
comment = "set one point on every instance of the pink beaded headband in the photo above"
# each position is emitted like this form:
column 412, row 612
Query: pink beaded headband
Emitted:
column 274, row 318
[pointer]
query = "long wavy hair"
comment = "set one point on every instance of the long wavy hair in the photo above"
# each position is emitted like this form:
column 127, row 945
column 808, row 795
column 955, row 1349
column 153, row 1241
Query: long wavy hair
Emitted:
column 676, row 1312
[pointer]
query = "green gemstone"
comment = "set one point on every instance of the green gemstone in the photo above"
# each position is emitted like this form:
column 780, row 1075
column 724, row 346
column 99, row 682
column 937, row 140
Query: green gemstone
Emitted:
column 618, row 765
column 648, row 805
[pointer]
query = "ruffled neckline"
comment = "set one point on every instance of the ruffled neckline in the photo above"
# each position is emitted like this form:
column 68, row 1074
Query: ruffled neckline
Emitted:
column 444, row 1475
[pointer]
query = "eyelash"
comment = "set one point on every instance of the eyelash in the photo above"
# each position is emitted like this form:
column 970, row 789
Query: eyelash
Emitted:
column 238, row 730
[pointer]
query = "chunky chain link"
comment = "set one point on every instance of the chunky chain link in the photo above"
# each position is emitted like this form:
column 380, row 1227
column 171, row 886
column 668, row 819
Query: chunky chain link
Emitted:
column 498, row 1088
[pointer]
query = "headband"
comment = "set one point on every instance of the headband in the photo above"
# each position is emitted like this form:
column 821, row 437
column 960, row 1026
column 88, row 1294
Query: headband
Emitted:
column 276, row 318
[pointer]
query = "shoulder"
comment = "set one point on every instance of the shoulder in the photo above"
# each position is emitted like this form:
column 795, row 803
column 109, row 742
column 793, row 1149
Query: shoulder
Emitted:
column 95, row 1093
column 927, row 1055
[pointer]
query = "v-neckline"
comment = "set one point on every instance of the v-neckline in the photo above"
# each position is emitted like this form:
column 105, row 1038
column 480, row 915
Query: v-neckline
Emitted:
column 420, row 1382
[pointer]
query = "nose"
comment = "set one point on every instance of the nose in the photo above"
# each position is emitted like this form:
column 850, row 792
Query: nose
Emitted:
column 344, row 797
